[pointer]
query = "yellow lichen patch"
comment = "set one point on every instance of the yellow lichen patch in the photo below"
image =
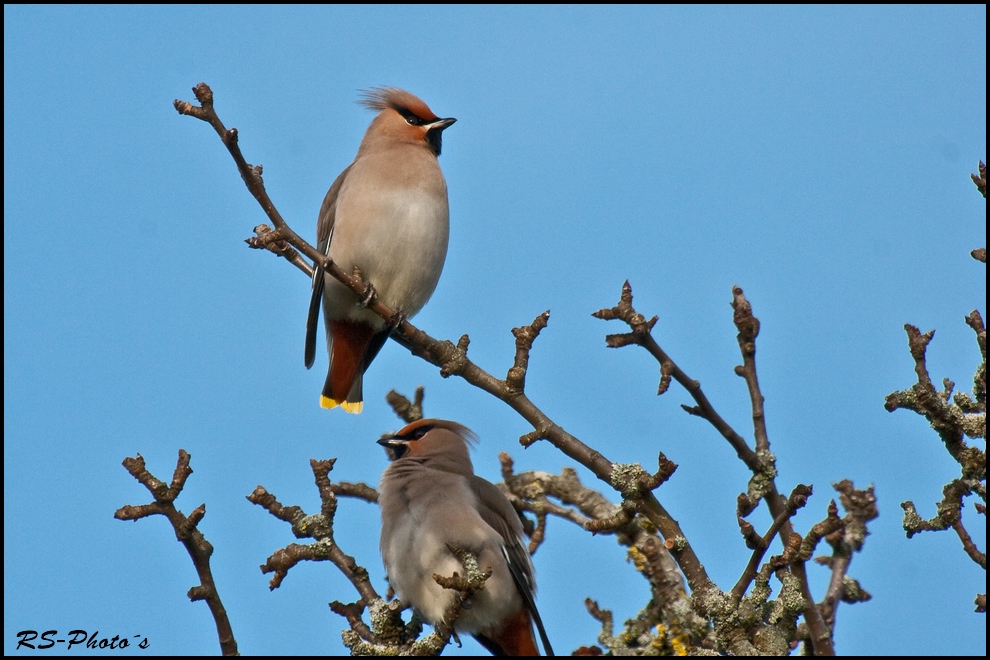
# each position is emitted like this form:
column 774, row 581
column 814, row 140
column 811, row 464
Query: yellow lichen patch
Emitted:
column 636, row 556
column 678, row 641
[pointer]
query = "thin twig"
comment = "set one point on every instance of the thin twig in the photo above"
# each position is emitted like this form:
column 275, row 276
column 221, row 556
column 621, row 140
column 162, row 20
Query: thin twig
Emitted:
column 969, row 546
column 359, row 491
column 799, row 497
column 408, row 411
column 641, row 336
column 187, row 532
column 760, row 461
column 318, row 527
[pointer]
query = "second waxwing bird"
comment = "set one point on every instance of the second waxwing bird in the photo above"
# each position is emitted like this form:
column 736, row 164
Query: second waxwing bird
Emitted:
column 431, row 501
column 387, row 215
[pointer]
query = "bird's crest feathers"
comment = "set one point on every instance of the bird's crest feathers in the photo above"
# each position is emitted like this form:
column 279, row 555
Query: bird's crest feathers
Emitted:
column 421, row 426
column 382, row 98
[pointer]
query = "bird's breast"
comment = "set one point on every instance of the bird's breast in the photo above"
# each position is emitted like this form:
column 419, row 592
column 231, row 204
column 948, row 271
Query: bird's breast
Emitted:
column 394, row 227
column 425, row 513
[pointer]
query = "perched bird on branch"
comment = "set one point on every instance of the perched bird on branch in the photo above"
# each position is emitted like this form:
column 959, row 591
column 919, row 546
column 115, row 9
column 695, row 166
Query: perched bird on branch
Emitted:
column 387, row 215
column 433, row 506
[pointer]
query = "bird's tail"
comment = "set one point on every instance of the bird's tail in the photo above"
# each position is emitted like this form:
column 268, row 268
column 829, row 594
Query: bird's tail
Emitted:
column 348, row 354
column 514, row 638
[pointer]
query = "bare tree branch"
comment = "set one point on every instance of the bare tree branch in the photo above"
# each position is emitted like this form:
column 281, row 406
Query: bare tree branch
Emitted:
column 861, row 507
column 954, row 417
column 641, row 336
column 187, row 532
column 981, row 180
column 408, row 411
column 799, row 497
column 318, row 527
column 761, row 461
column 358, row 491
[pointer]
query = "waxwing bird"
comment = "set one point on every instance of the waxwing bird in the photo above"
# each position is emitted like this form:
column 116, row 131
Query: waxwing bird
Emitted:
column 431, row 501
column 387, row 215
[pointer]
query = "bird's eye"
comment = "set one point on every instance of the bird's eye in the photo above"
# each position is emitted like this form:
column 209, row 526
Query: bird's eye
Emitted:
column 410, row 118
column 420, row 432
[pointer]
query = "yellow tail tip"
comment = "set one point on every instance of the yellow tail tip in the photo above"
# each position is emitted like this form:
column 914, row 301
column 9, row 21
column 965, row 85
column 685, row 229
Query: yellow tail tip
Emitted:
column 354, row 408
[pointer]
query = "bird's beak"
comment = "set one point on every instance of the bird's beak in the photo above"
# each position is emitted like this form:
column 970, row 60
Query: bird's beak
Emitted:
column 394, row 447
column 440, row 124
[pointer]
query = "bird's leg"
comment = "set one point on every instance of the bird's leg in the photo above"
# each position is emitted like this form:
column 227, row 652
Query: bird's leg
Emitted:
column 369, row 296
column 396, row 320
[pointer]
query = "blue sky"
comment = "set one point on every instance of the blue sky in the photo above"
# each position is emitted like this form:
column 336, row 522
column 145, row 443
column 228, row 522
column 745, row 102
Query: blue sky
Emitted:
column 817, row 157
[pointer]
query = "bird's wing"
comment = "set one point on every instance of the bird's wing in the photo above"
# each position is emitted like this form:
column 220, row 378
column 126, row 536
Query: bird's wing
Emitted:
column 499, row 514
column 324, row 232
